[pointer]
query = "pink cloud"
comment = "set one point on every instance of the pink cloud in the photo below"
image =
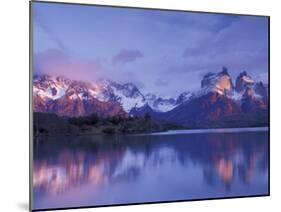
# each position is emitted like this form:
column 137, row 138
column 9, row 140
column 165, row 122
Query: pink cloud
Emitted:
column 55, row 62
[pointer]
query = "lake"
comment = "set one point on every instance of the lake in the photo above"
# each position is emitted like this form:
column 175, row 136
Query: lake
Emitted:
column 74, row 171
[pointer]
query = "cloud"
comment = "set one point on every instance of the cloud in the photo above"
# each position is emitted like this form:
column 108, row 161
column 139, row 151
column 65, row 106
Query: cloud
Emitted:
column 242, row 45
column 191, row 52
column 162, row 82
column 179, row 50
column 262, row 77
column 56, row 62
column 126, row 56
column 52, row 36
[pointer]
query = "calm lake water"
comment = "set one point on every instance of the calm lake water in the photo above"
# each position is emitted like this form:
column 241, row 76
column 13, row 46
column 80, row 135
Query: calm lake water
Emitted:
column 97, row 170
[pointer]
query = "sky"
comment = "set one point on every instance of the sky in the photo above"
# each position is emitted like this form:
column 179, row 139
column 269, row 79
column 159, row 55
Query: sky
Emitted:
column 162, row 52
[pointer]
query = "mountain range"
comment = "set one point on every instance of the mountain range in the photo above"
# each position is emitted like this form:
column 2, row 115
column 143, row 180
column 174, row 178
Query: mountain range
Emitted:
column 218, row 99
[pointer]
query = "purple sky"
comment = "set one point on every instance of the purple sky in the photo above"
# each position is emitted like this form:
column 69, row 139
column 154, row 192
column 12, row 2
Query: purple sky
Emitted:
column 161, row 52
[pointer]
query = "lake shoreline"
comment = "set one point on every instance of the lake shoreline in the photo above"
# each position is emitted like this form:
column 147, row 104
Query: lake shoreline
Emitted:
column 167, row 132
column 213, row 130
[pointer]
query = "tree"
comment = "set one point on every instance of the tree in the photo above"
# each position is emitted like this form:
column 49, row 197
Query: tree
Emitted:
column 147, row 117
column 108, row 130
column 115, row 120
column 93, row 119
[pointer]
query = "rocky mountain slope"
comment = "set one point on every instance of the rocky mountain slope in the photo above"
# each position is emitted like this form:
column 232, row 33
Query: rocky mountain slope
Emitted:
column 67, row 97
column 217, row 99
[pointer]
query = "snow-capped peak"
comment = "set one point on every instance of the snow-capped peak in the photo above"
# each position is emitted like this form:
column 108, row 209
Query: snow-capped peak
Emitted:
column 164, row 104
column 150, row 97
column 183, row 97
column 243, row 81
column 127, row 95
column 48, row 87
column 220, row 83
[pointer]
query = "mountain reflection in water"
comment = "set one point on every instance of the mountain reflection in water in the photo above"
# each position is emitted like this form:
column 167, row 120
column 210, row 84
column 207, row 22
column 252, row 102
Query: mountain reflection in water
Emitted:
column 97, row 170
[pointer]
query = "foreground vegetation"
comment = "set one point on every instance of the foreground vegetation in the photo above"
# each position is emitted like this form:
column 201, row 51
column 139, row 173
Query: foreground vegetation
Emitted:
column 45, row 123
column 250, row 119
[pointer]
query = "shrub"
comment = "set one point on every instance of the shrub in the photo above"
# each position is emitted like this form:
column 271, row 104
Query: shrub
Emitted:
column 147, row 117
column 93, row 119
column 108, row 130
column 115, row 120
